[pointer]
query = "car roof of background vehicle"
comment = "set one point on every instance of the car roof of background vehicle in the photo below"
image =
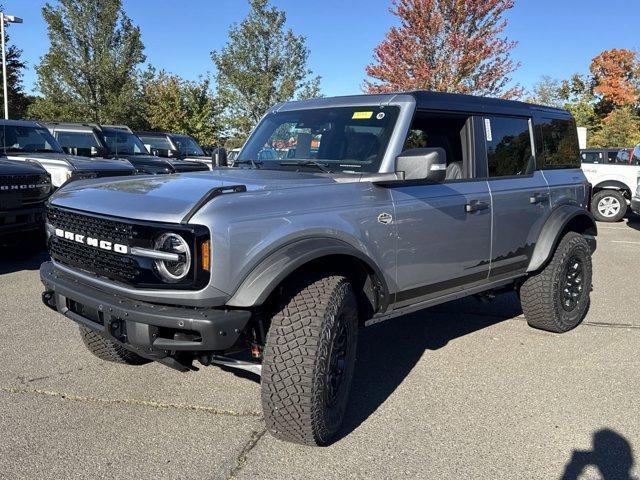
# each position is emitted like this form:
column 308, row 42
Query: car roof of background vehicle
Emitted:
column 22, row 123
column 424, row 100
column 73, row 126
column 601, row 149
column 123, row 128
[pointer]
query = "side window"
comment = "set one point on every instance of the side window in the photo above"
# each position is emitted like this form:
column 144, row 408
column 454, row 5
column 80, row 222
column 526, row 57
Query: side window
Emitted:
column 449, row 133
column 559, row 144
column 509, row 149
column 591, row 157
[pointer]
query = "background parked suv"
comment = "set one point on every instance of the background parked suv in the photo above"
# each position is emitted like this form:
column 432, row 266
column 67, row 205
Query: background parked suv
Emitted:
column 614, row 176
column 23, row 189
column 410, row 200
column 174, row 145
column 31, row 142
column 118, row 143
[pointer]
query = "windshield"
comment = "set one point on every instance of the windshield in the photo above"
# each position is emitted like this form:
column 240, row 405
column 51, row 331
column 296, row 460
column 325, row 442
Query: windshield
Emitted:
column 161, row 143
column 19, row 138
column 346, row 139
column 188, row 146
column 124, row 143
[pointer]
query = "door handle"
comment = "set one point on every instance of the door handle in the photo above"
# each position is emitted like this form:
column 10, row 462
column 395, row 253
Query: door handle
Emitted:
column 476, row 206
column 538, row 198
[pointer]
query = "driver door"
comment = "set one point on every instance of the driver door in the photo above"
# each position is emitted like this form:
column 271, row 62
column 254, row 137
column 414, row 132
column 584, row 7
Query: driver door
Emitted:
column 444, row 229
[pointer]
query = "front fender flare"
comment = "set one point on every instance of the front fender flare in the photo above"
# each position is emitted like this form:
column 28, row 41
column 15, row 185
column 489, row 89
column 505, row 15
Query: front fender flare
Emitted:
column 272, row 270
column 557, row 223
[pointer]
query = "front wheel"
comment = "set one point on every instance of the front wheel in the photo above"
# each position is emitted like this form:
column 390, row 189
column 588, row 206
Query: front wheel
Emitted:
column 609, row 206
column 309, row 360
column 556, row 299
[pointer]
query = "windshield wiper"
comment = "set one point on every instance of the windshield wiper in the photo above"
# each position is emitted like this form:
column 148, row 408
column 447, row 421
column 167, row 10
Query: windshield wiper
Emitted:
column 252, row 162
column 306, row 163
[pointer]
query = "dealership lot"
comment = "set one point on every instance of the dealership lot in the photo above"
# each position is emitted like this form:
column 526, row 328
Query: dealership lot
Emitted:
column 463, row 390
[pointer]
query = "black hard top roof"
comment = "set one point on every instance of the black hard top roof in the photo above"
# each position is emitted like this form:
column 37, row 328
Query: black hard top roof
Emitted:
column 429, row 100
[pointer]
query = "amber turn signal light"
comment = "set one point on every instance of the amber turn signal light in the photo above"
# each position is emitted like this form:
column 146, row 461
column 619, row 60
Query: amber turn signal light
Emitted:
column 205, row 248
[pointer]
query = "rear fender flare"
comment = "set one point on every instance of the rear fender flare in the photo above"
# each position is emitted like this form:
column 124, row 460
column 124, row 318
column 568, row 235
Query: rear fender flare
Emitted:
column 562, row 219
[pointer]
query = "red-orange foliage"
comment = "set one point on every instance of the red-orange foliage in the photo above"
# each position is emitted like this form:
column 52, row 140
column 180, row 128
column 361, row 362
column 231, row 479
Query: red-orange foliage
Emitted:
column 448, row 46
column 616, row 75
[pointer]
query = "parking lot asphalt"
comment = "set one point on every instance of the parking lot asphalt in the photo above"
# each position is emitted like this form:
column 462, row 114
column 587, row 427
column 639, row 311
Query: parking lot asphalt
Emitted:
column 462, row 390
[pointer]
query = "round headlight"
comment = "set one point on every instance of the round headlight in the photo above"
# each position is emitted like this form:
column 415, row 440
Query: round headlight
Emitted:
column 173, row 271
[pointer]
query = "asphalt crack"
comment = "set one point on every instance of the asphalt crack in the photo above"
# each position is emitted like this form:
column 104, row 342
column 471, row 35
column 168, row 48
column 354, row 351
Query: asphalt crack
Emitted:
column 131, row 402
column 241, row 459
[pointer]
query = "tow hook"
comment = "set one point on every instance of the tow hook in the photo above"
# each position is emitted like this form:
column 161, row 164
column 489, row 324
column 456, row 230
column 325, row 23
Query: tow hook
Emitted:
column 49, row 299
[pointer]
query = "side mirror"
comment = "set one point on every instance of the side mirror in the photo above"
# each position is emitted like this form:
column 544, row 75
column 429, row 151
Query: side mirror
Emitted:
column 423, row 164
column 219, row 157
column 173, row 153
column 98, row 152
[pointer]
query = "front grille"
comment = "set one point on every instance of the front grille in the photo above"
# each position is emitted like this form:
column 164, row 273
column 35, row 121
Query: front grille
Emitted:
column 111, row 265
column 107, row 262
column 106, row 229
column 115, row 266
column 28, row 186
column 80, row 175
column 190, row 167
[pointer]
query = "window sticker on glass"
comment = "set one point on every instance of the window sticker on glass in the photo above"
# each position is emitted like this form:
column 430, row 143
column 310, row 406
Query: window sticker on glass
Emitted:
column 380, row 116
column 362, row 115
column 487, row 129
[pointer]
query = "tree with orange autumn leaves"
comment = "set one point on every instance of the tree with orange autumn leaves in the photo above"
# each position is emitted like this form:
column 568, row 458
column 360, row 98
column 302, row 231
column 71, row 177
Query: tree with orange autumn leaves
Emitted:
column 447, row 46
column 606, row 101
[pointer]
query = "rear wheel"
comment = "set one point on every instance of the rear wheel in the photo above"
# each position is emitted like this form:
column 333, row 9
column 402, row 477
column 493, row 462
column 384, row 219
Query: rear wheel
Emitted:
column 108, row 350
column 557, row 298
column 309, row 360
column 609, row 206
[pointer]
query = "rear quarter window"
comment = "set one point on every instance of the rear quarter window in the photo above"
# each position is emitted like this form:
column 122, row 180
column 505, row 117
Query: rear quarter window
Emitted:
column 558, row 139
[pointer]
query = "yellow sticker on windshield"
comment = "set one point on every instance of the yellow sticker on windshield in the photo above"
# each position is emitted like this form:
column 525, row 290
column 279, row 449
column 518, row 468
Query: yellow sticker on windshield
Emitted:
column 362, row 115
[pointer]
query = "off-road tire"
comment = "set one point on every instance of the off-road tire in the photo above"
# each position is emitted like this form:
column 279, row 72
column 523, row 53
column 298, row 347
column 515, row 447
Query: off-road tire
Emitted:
column 108, row 350
column 613, row 194
column 542, row 294
column 298, row 405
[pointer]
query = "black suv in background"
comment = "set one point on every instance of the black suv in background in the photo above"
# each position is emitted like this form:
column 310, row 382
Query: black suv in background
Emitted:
column 174, row 145
column 24, row 187
column 116, row 142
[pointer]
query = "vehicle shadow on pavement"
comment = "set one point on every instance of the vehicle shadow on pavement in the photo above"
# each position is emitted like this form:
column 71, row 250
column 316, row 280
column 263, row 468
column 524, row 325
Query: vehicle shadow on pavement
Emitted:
column 13, row 259
column 387, row 352
column 611, row 455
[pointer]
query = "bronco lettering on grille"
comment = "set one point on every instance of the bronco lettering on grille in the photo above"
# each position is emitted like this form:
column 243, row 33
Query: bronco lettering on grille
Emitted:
column 92, row 242
column 32, row 186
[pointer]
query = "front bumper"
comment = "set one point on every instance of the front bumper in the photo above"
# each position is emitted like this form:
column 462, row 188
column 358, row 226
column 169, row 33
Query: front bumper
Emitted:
column 21, row 220
column 150, row 330
column 635, row 205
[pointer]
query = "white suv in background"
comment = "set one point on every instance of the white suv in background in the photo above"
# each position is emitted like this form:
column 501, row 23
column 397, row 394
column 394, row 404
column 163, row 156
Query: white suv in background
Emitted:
column 614, row 177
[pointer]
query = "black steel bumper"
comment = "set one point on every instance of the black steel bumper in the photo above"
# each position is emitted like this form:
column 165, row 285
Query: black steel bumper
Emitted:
column 151, row 330
column 635, row 205
column 21, row 220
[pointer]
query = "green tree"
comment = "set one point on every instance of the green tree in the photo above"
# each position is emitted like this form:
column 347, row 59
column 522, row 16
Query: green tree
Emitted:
column 18, row 100
column 91, row 69
column 547, row 91
column 261, row 64
column 620, row 128
column 173, row 104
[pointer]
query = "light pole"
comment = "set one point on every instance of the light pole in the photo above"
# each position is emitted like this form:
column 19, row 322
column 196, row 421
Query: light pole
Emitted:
column 8, row 19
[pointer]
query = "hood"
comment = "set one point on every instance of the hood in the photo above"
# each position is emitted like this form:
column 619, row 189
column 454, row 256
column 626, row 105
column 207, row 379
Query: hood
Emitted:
column 168, row 198
column 77, row 163
column 12, row 167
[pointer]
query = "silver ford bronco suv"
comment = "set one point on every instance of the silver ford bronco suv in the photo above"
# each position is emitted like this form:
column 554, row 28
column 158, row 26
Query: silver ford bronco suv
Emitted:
column 384, row 205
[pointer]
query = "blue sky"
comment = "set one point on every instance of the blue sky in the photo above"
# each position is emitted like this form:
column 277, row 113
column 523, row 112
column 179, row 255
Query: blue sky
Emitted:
column 556, row 37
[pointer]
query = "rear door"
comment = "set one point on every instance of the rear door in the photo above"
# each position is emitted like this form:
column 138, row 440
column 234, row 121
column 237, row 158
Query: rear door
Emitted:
column 519, row 192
